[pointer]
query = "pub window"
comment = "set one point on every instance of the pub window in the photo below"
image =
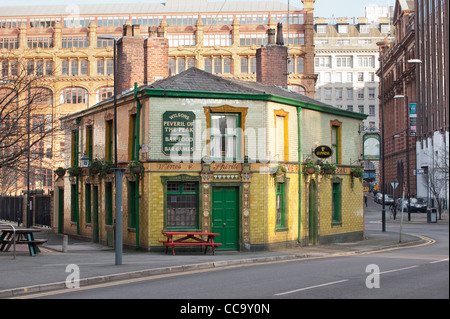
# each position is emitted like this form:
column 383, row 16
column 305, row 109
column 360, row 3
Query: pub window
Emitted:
column 73, row 203
column 281, row 138
column 132, row 138
column 336, row 141
column 224, row 139
column 89, row 142
column 108, row 203
column 87, row 203
column 336, row 203
column 132, row 213
column 279, row 213
column 108, row 140
column 182, row 205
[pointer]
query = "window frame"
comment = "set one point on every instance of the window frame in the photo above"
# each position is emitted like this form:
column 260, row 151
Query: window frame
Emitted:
column 182, row 179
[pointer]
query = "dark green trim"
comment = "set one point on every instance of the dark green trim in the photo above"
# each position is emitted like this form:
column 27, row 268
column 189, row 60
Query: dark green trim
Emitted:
column 251, row 96
column 182, row 178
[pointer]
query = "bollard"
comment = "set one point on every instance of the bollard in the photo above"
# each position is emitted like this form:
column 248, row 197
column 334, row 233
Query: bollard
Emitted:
column 65, row 242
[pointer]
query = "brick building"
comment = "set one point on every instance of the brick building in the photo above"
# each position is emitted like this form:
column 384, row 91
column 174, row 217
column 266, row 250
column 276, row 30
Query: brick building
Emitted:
column 64, row 45
column 213, row 154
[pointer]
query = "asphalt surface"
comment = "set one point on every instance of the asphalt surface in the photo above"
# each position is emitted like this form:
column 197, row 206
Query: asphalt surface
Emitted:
column 53, row 269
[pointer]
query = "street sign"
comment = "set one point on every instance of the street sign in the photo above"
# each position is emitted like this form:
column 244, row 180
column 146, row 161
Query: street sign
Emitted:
column 394, row 185
column 419, row 171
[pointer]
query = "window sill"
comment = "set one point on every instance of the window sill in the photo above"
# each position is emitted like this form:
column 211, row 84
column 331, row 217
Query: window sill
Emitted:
column 336, row 224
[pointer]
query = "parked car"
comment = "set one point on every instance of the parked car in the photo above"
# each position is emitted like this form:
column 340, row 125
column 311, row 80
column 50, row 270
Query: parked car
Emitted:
column 417, row 205
column 388, row 200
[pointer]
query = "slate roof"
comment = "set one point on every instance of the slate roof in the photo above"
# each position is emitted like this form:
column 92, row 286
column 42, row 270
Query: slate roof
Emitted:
column 199, row 80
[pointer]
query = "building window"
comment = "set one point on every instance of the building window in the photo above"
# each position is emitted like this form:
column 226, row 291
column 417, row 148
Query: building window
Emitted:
column 132, row 211
column 182, row 205
column 132, row 137
column 104, row 93
column 366, row 61
column 343, row 28
column 279, row 208
column 89, row 142
column 109, row 129
column 176, row 40
column 105, row 43
column 281, row 131
column 74, row 96
column 361, row 94
column 9, row 43
column 364, row 28
column 108, row 203
column 336, row 141
column 75, row 42
column 40, row 42
column 87, row 203
column 217, row 39
column 208, row 65
column 361, row 108
column 172, row 66
column 372, row 110
column 336, row 203
column 73, row 203
column 344, row 62
column 248, row 39
column 371, row 93
column 300, row 65
column 360, row 76
column 322, row 62
column 321, row 28
column 217, row 65
column 224, row 136
column 227, row 65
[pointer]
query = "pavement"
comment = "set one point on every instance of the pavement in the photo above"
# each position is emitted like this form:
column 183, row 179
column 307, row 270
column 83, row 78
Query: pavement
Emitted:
column 96, row 263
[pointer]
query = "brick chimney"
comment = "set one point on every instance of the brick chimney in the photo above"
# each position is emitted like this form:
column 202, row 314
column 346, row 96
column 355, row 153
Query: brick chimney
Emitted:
column 139, row 59
column 271, row 62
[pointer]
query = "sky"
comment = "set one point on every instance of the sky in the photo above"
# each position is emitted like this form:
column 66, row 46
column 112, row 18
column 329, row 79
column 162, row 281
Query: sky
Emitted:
column 322, row 8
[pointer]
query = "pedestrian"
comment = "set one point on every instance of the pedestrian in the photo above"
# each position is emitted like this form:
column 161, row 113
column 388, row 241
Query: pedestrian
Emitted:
column 365, row 199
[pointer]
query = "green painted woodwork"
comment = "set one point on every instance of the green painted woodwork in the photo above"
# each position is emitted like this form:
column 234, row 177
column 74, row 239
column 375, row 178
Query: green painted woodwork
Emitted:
column 225, row 216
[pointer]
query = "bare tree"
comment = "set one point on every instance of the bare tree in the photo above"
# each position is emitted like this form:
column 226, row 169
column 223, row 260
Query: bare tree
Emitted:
column 437, row 178
column 26, row 119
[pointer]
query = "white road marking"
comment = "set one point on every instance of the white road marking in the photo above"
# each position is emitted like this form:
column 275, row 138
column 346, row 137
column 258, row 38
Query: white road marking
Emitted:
column 311, row 287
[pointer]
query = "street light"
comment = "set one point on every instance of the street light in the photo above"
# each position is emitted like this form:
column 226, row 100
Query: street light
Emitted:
column 118, row 172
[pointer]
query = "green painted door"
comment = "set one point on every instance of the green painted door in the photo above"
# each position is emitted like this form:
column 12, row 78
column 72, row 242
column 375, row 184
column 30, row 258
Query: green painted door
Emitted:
column 225, row 216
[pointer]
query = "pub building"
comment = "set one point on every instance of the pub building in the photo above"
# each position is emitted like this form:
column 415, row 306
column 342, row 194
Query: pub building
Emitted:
column 213, row 155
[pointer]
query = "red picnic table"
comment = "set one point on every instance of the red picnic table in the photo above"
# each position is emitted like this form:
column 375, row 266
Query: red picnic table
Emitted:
column 189, row 239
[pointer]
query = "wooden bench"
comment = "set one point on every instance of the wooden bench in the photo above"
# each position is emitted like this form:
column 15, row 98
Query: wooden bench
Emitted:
column 189, row 239
column 20, row 236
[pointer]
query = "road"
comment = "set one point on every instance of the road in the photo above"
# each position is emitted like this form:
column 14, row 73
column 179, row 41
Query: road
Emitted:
column 405, row 273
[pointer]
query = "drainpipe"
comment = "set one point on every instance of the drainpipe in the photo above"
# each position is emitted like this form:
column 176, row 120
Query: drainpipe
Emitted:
column 137, row 148
column 299, row 177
